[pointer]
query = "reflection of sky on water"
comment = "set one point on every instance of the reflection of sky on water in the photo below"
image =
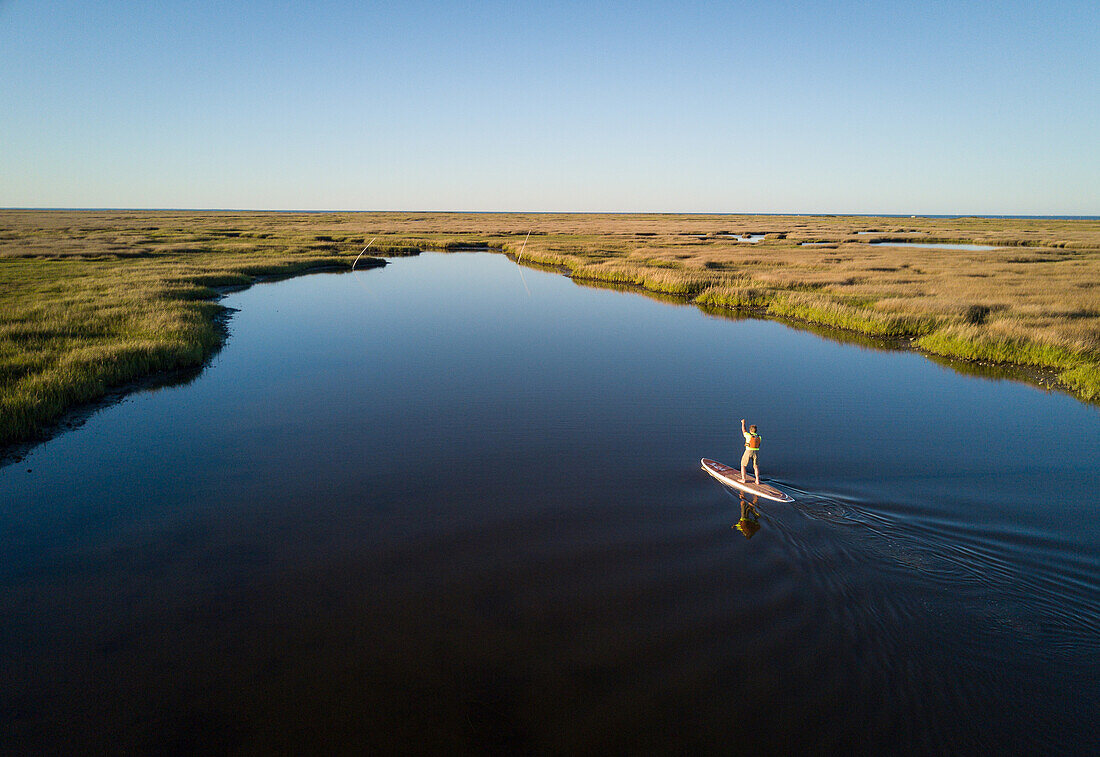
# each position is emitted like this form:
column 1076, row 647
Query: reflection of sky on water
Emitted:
column 936, row 245
column 442, row 477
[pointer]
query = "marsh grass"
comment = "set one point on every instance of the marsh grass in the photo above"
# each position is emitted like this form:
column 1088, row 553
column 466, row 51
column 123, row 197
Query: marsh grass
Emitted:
column 79, row 320
column 1037, row 309
column 92, row 300
column 838, row 314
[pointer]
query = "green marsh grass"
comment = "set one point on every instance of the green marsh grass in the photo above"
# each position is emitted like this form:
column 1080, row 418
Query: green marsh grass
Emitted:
column 77, row 321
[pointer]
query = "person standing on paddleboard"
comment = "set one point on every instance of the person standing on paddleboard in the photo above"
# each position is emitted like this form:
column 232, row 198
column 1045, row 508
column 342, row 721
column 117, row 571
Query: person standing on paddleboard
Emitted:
column 752, row 446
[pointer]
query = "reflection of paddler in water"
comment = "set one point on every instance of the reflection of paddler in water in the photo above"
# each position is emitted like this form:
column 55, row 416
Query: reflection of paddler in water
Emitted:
column 752, row 446
column 749, row 523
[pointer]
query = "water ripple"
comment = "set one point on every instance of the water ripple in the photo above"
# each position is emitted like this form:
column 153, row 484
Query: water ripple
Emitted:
column 1030, row 585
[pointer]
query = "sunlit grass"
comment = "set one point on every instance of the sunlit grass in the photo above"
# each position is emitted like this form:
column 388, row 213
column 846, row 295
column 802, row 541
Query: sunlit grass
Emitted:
column 75, row 325
column 1036, row 307
column 865, row 320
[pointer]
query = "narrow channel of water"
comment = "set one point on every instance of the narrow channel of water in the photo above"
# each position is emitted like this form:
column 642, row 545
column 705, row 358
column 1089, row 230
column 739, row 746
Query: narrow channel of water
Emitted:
column 937, row 245
column 743, row 237
column 455, row 504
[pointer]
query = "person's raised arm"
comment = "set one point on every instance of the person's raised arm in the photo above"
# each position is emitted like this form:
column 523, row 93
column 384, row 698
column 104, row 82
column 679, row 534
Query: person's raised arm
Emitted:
column 742, row 425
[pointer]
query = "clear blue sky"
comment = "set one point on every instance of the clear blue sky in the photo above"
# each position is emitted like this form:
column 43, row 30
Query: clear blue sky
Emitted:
column 863, row 107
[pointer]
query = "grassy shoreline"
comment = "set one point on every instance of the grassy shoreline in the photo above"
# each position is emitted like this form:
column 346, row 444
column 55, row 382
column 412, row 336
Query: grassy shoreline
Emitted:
column 74, row 349
column 94, row 300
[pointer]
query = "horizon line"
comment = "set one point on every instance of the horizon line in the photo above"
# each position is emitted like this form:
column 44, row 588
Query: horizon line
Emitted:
column 1064, row 216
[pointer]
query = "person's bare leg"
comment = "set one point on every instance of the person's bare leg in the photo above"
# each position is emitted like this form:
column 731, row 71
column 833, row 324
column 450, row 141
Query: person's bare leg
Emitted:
column 742, row 473
column 756, row 471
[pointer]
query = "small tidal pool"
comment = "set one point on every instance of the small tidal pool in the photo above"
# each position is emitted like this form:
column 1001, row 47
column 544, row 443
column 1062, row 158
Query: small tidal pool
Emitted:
column 455, row 504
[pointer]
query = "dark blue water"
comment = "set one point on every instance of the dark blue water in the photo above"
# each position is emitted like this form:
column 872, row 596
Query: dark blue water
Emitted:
column 456, row 505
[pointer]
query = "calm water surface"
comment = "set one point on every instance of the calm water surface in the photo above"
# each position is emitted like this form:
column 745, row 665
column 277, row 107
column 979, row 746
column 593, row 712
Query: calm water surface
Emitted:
column 454, row 504
column 937, row 245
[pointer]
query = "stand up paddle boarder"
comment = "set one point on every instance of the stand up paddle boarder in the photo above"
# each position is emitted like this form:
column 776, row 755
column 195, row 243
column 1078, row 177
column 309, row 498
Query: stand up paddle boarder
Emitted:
column 752, row 446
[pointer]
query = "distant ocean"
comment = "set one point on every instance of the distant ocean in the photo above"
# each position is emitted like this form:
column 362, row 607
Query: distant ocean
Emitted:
column 971, row 215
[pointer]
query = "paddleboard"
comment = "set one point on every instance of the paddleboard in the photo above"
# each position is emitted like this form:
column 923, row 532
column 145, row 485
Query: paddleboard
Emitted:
column 732, row 477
